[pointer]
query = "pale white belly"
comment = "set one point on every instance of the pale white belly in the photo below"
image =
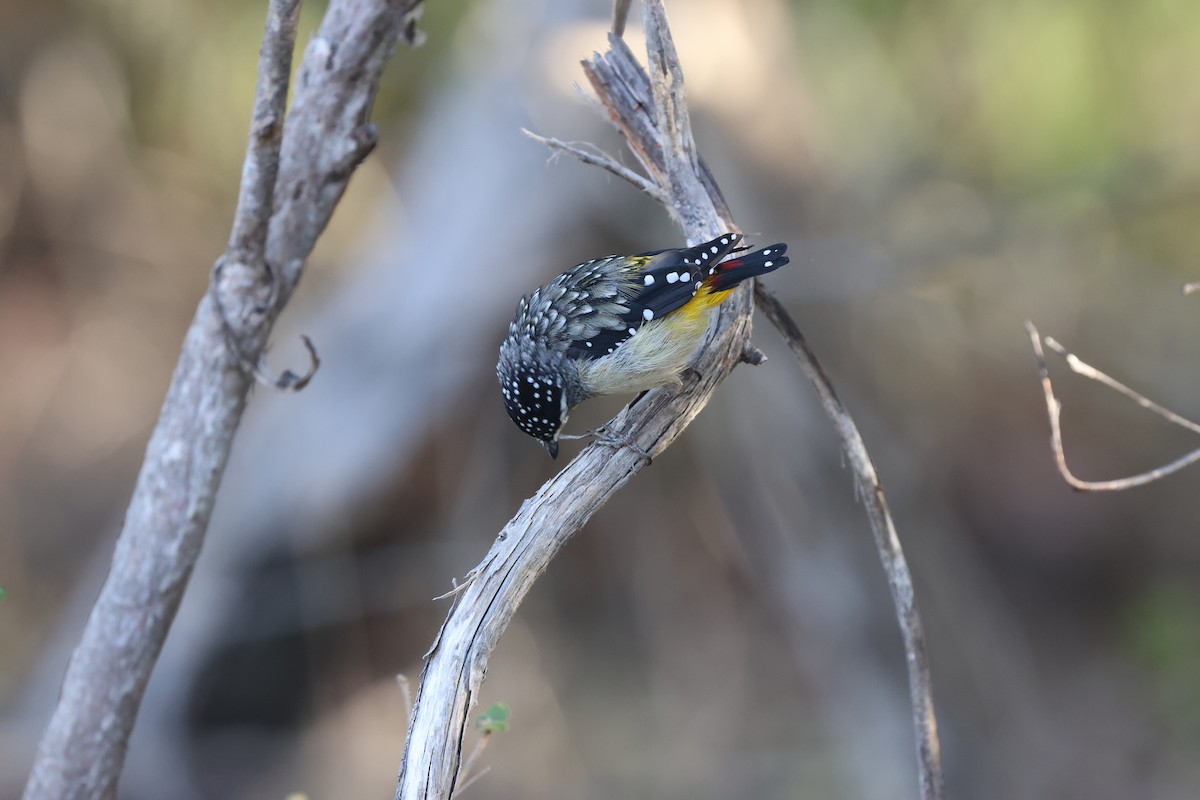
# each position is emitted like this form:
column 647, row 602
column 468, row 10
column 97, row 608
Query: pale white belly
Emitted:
column 654, row 356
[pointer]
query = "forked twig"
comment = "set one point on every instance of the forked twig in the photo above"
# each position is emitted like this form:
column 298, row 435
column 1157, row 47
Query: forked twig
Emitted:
column 1054, row 413
column 1080, row 367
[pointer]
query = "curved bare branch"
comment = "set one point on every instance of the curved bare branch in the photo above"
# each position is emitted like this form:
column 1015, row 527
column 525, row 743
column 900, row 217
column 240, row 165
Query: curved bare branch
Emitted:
column 1054, row 413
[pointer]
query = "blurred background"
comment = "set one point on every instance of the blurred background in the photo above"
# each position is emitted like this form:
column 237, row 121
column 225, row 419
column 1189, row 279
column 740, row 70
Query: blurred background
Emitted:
column 942, row 169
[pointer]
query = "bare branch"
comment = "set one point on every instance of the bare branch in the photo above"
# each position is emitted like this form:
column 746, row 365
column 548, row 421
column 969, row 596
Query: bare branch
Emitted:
column 650, row 111
column 1054, row 412
column 457, row 661
column 290, row 184
column 887, row 542
column 623, row 90
column 692, row 206
column 1080, row 367
column 251, row 220
column 469, row 776
column 598, row 158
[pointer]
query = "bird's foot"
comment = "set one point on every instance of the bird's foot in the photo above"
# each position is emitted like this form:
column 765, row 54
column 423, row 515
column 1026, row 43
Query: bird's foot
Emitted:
column 607, row 437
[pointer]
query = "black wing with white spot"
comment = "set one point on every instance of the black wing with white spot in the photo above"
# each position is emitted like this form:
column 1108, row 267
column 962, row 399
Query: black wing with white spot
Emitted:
column 662, row 281
column 578, row 305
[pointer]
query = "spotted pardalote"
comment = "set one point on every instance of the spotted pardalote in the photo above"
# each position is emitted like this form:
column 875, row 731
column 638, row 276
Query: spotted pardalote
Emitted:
column 616, row 325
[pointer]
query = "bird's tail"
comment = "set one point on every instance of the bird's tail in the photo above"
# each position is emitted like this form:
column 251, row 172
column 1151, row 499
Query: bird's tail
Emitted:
column 732, row 272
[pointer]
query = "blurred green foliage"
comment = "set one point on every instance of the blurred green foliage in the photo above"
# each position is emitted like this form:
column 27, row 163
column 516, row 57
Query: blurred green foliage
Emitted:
column 1024, row 95
column 191, row 69
column 494, row 720
column 1163, row 630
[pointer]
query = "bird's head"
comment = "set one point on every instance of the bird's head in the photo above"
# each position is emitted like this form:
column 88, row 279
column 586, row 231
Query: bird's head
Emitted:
column 535, row 394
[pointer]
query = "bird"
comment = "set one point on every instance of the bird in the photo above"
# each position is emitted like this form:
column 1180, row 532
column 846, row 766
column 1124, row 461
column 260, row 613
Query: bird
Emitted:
column 620, row 324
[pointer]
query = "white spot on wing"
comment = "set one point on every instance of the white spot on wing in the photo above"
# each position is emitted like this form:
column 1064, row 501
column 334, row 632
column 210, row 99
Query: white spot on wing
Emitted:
column 649, row 280
column 672, row 277
column 647, row 314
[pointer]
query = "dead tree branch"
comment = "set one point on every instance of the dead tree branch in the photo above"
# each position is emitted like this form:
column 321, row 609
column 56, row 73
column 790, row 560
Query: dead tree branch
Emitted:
column 457, row 661
column 1054, row 412
column 650, row 110
column 293, row 176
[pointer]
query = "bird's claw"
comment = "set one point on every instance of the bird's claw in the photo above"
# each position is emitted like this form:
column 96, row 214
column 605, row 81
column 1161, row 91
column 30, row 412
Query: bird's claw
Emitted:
column 607, row 437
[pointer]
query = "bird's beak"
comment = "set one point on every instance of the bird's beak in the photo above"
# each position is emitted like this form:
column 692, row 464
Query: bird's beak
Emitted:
column 551, row 448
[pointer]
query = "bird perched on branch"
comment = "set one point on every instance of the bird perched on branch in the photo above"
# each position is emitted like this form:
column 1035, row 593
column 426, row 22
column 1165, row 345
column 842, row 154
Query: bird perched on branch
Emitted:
column 616, row 325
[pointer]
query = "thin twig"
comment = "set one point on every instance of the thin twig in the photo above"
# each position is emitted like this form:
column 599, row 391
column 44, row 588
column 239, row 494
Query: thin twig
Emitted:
column 405, row 692
column 260, row 169
column 469, row 763
column 598, row 158
column 1080, row 367
column 1054, row 413
column 290, row 185
column 471, row 779
column 891, row 555
column 458, row 588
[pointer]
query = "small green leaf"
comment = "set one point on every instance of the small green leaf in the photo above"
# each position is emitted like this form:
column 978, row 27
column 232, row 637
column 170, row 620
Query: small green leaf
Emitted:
column 494, row 720
column 1, row 592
